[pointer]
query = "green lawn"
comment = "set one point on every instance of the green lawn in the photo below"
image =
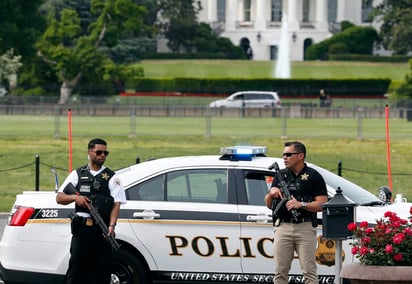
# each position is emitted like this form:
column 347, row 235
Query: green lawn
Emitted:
column 328, row 141
column 264, row 69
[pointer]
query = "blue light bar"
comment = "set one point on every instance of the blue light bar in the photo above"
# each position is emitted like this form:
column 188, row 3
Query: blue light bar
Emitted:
column 244, row 150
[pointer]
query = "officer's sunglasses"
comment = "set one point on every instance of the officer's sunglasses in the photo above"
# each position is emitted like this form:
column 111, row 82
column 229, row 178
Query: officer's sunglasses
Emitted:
column 290, row 154
column 99, row 152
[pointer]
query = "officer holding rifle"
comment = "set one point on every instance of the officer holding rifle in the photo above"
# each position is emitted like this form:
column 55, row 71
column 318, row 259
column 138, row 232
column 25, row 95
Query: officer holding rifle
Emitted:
column 297, row 193
column 97, row 192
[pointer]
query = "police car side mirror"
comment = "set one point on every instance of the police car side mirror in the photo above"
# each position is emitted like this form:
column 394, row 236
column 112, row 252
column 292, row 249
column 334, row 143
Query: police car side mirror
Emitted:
column 385, row 194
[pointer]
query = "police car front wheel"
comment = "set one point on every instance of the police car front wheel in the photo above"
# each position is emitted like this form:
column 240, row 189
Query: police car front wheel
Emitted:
column 128, row 269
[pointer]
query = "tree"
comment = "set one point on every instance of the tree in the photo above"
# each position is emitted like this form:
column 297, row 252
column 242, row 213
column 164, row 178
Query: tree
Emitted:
column 355, row 40
column 396, row 18
column 20, row 27
column 71, row 45
column 179, row 23
column 405, row 90
column 9, row 65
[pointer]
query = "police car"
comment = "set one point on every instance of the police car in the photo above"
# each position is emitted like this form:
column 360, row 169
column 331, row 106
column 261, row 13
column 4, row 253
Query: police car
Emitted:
column 187, row 219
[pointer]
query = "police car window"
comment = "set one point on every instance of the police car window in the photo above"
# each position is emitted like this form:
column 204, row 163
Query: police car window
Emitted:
column 151, row 190
column 257, row 185
column 197, row 186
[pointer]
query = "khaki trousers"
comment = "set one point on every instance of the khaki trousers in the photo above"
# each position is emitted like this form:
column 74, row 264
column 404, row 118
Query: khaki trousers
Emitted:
column 290, row 238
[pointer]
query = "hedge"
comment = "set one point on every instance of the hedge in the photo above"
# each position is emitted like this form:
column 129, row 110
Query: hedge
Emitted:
column 286, row 87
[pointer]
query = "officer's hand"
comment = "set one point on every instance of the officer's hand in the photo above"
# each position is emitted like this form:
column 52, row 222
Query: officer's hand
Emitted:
column 82, row 201
column 111, row 230
column 275, row 192
column 292, row 203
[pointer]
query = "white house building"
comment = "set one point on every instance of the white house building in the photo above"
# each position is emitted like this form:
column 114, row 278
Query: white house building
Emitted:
column 259, row 22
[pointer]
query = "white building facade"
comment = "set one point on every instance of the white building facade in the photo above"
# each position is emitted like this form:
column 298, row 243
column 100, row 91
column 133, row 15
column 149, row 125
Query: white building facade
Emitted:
column 259, row 22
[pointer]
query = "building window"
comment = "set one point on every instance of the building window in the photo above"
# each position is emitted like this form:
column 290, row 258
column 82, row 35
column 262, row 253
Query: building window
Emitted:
column 246, row 10
column 221, row 10
column 305, row 11
column 276, row 11
column 332, row 10
column 366, row 10
column 274, row 52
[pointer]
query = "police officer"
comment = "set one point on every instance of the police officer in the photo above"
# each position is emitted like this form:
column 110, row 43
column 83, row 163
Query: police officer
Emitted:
column 308, row 191
column 93, row 183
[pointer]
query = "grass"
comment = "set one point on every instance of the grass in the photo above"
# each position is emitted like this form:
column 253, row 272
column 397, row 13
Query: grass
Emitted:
column 264, row 69
column 273, row 127
column 328, row 141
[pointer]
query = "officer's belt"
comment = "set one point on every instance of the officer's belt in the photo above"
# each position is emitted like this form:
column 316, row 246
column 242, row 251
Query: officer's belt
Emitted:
column 297, row 221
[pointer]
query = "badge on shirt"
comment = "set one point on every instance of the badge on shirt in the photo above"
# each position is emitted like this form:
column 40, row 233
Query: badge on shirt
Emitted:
column 105, row 176
column 305, row 176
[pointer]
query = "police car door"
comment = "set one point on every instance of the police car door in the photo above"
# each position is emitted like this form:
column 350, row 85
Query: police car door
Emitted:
column 256, row 224
column 185, row 219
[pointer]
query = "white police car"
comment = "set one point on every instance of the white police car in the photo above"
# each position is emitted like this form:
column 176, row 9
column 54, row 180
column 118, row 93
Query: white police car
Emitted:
column 249, row 99
column 187, row 219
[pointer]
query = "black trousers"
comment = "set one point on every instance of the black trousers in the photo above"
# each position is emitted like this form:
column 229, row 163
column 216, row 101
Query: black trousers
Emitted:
column 91, row 257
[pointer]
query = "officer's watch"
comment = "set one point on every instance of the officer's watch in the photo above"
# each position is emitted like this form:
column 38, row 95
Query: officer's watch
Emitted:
column 304, row 204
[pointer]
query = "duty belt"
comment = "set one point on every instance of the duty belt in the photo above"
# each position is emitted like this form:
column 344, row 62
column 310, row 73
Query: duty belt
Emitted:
column 297, row 221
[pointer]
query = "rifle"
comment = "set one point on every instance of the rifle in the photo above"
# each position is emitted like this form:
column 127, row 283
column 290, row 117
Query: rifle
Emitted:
column 70, row 189
column 276, row 207
column 99, row 220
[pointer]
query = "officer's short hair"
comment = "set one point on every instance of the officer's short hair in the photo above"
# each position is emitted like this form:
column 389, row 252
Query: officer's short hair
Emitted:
column 299, row 147
column 95, row 141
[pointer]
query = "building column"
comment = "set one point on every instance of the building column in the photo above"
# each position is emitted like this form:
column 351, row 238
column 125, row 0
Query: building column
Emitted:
column 260, row 18
column 259, row 45
column 292, row 15
column 321, row 15
column 340, row 13
column 231, row 14
column 212, row 11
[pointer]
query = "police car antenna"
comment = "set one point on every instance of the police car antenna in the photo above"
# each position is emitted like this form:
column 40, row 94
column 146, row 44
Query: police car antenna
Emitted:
column 56, row 178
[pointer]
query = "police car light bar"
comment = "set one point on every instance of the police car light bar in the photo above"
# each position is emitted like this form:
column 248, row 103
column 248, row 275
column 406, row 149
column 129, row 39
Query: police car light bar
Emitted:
column 237, row 153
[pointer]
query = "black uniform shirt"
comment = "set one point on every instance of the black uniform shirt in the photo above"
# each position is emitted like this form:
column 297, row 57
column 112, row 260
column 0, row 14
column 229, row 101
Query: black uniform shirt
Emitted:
column 304, row 187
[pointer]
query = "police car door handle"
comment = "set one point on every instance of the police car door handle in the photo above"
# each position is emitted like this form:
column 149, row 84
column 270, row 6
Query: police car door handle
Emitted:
column 259, row 218
column 146, row 214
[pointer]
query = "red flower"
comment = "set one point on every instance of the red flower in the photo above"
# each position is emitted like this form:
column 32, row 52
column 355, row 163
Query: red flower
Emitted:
column 398, row 238
column 363, row 224
column 352, row 227
column 364, row 251
column 398, row 257
column 389, row 248
column 366, row 240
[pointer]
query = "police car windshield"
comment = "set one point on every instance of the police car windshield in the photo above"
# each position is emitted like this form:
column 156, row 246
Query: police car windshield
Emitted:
column 352, row 191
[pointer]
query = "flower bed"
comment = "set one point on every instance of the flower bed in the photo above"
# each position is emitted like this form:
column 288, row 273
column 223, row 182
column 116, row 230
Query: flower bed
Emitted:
column 388, row 243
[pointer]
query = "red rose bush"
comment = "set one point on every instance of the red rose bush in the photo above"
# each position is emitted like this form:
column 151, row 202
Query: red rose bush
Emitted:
column 388, row 243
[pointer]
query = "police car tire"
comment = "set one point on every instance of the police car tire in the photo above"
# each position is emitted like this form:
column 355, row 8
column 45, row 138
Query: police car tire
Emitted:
column 129, row 268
